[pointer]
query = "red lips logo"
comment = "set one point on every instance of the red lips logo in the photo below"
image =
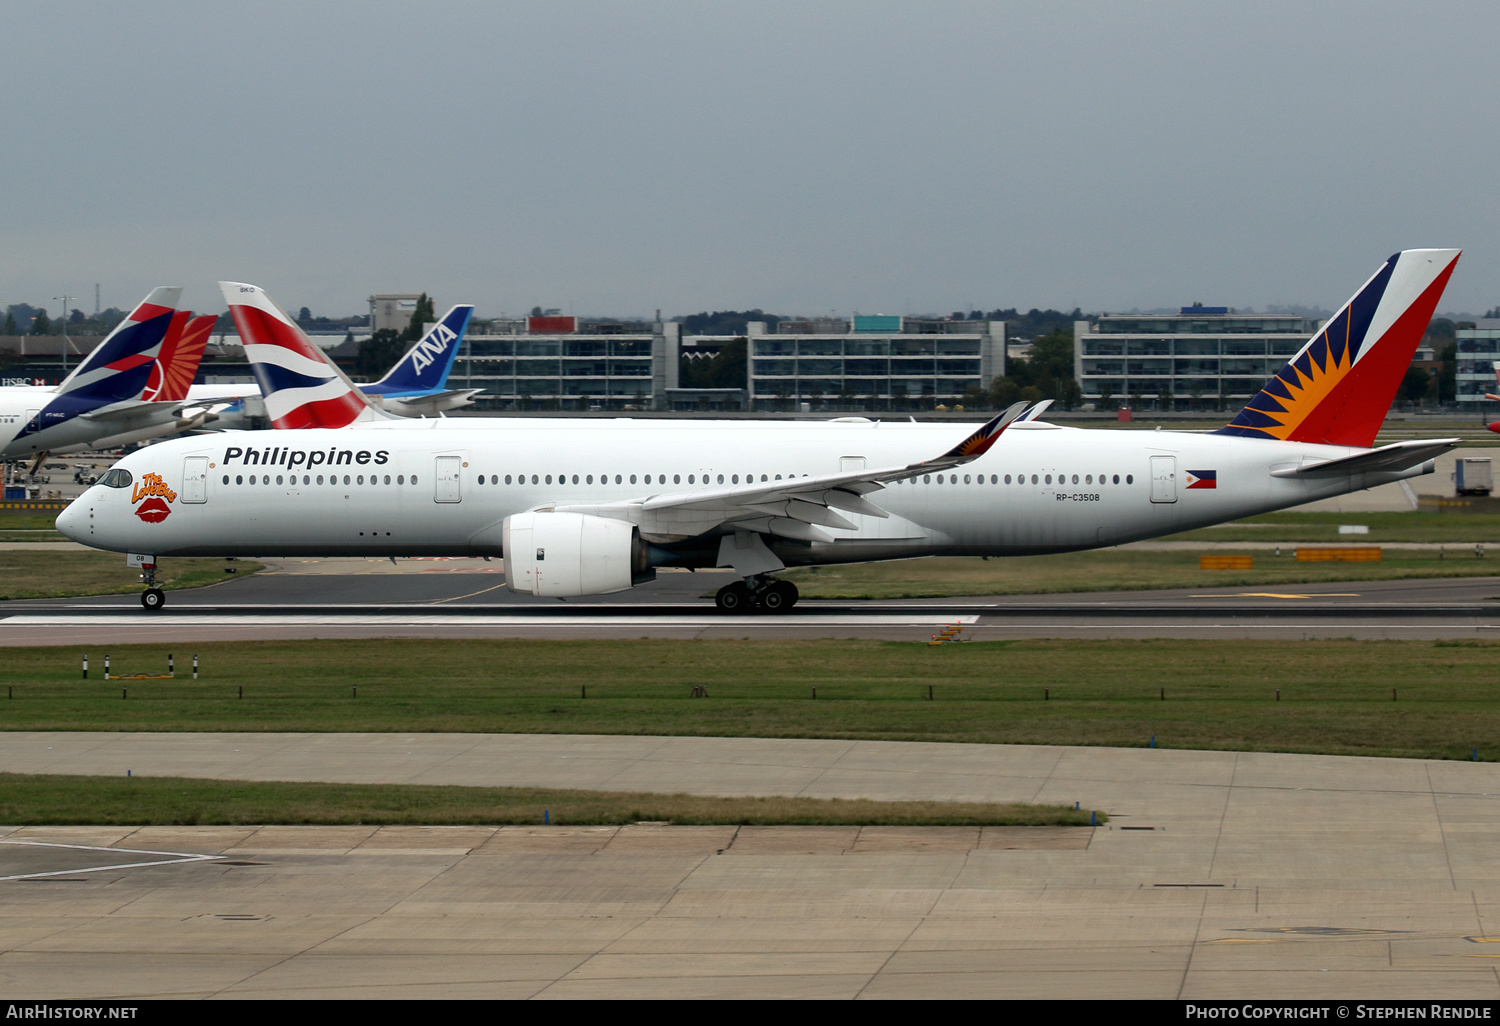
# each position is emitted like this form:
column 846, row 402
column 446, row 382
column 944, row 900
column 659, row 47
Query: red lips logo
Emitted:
column 153, row 511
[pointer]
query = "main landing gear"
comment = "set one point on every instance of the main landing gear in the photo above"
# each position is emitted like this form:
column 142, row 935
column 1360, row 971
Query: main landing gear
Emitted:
column 759, row 594
column 153, row 598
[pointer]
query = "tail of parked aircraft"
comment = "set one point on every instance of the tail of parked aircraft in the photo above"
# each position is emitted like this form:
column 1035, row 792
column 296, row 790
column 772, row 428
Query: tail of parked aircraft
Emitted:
column 425, row 366
column 120, row 367
column 181, row 352
column 301, row 387
column 1340, row 385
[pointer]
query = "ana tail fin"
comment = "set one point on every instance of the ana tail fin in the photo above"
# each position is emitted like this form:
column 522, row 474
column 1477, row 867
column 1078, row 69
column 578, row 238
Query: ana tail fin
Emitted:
column 302, row 388
column 1340, row 385
column 425, row 366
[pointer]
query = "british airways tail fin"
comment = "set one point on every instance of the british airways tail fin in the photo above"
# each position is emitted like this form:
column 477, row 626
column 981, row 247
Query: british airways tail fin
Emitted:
column 1340, row 385
column 301, row 387
column 120, row 366
column 181, row 352
column 425, row 366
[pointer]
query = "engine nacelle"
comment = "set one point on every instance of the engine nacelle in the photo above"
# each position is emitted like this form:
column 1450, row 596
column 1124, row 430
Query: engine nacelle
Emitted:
column 562, row 555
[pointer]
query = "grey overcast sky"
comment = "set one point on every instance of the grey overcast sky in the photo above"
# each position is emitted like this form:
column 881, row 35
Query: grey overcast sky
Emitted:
column 803, row 157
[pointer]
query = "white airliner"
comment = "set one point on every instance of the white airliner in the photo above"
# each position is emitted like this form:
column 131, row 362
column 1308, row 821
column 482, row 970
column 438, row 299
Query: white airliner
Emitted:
column 593, row 506
column 108, row 398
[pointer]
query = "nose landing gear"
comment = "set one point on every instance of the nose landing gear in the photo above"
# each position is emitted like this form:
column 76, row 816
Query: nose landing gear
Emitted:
column 759, row 594
column 153, row 598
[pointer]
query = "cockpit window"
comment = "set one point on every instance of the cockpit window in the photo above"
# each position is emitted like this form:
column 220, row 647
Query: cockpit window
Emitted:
column 117, row 478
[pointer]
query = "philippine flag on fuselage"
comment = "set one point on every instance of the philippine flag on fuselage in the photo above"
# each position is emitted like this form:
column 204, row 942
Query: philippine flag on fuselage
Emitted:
column 1203, row 479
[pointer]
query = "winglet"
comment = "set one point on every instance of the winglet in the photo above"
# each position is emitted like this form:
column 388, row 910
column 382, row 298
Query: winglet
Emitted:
column 977, row 444
column 1036, row 411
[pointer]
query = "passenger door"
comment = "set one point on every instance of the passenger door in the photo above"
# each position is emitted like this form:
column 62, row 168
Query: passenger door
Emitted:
column 195, row 479
column 448, row 479
column 1164, row 479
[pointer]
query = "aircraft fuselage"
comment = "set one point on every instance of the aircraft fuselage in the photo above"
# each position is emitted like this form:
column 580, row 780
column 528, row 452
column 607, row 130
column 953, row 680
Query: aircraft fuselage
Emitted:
column 445, row 488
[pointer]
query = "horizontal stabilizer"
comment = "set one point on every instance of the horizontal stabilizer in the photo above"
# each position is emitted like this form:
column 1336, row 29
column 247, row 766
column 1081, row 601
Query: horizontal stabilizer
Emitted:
column 1399, row 456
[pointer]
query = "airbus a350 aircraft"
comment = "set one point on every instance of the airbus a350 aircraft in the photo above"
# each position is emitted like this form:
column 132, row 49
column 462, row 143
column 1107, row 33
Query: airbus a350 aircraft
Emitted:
column 592, row 506
column 108, row 399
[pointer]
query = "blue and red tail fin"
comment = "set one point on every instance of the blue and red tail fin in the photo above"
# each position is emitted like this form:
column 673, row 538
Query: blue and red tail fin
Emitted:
column 301, row 387
column 119, row 368
column 425, row 366
column 1340, row 385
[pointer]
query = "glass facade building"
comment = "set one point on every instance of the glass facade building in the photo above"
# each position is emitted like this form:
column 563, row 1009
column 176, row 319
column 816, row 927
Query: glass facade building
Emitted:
column 567, row 372
column 1201, row 353
column 1478, row 352
column 873, row 369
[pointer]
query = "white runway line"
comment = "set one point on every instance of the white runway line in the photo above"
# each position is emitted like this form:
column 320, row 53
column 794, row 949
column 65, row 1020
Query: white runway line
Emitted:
column 437, row 619
column 172, row 858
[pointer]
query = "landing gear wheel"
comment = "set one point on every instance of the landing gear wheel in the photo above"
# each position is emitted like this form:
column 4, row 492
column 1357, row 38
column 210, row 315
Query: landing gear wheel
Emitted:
column 733, row 598
column 153, row 599
column 778, row 597
column 792, row 594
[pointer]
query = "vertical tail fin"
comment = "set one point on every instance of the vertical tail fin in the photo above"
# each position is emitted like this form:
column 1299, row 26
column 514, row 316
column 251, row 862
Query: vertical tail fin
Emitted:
column 425, row 366
column 301, row 387
column 181, row 352
column 1340, row 385
column 120, row 366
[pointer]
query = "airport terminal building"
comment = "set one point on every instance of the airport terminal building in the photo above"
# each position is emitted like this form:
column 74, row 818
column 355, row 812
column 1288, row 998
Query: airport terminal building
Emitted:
column 873, row 362
column 560, row 363
column 867, row 362
column 1200, row 353
column 1478, row 352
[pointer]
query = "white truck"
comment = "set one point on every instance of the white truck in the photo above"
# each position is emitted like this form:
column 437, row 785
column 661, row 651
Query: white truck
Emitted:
column 1471, row 476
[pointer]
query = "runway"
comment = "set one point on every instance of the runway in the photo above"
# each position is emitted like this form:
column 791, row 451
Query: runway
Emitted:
column 354, row 598
column 1220, row 876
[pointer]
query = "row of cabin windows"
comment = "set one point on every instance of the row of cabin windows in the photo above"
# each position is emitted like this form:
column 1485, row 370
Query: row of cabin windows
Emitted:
column 1020, row 479
column 495, row 479
column 308, row 479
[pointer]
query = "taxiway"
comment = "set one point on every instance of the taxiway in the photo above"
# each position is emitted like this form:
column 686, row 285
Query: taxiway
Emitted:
column 1220, row 875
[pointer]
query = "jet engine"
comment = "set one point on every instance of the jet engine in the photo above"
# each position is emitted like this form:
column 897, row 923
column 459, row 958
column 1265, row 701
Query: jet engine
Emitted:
column 562, row 555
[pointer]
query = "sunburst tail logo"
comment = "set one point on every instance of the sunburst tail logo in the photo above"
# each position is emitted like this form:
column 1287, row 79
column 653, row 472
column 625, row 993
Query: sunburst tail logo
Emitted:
column 1340, row 385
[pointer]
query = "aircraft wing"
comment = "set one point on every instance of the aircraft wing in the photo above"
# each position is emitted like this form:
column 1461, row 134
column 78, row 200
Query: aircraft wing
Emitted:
column 219, row 400
column 122, row 410
column 795, row 507
column 1398, row 456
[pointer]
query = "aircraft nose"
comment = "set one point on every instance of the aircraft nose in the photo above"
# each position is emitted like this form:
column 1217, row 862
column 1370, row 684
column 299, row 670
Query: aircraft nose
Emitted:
column 73, row 522
column 1495, row 427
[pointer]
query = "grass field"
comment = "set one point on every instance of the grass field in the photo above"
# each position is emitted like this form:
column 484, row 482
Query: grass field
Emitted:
column 53, row 574
column 1415, row 526
column 42, row 800
column 1335, row 696
column 1115, row 570
column 36, row 534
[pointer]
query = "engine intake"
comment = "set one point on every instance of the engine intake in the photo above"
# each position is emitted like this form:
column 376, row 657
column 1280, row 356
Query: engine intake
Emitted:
column 563, row 555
